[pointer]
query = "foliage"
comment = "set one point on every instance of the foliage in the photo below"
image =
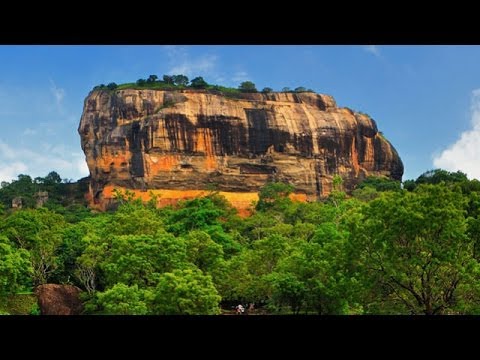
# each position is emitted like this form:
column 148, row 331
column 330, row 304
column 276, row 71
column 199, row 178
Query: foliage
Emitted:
column 198, row 83
column 140, row 259
column 15, row 268
column 380, row 184
column 39, row 232
column 61, row 193
column 18, row 304
column 180, row 80
column 300, row 89
column 274, row 195
column 185, row 292
column 386, row 250
column 123, row 300
column 436, row 177
column 153, row 78
column 35, row 309
column 416, row 248
column 247, row 86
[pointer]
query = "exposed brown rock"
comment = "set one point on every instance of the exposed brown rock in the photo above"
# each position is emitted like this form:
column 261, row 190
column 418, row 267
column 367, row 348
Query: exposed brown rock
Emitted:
column 54, row 299
column 17, row 203
column 177, row 142
column 41, row 198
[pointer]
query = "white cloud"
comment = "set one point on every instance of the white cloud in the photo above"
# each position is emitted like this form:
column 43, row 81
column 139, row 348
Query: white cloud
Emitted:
column 10, row 171
column 29, row 131
column 6, row 152
column 372, row 49
column 240, row 76
column 14, row 161
column 182, row 63
column 464, row 154
column 202, row 66
column 58, row 93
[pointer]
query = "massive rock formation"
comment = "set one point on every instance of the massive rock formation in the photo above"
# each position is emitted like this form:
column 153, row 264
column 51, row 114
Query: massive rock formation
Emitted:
column 182, row 143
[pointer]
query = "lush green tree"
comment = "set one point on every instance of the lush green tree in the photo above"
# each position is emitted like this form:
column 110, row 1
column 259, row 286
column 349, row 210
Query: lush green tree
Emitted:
column 180, row 80
column 438, row 175
column 123, row 300
column 274, row 195
column 112, row 86
column 134, row 219
column 409, row 185
column 15, row 268
column 168, row 79
column 267, row 90
column 415, row 249
column 141, row 82
column 196, row 214
column 40, row 232
column 153, row 78
column 247, row 86
column 300, row 89
column 22, row 187
column 202, row 251
column 69, row 250
column 87, row 269
column 140, row 259
column 198, row 83
column 367, row 193
column 286, row 89
column 52, row 178
column 380, row 184
column 288, row 289
column 320, row 268
column 185, row 292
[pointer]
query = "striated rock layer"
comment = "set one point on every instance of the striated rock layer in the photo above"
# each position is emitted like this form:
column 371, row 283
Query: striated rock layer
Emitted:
column 179, row 143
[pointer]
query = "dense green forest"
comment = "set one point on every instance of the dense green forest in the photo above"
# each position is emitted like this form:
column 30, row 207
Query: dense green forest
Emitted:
column 387, row 248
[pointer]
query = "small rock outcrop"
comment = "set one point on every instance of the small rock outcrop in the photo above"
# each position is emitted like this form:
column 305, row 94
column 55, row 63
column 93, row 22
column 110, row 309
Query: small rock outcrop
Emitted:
column 41, row 197
column 55, row 299
column 17, row 203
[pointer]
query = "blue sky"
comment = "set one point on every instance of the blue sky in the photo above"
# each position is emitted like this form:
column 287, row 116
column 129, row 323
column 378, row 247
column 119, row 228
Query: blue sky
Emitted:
column 425, row 99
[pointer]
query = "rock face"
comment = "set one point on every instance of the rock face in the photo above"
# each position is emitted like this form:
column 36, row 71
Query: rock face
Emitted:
column 181, row 143
column 54, row 299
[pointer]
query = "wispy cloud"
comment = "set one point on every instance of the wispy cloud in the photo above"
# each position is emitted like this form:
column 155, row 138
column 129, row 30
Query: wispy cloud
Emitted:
column 28, row 132
column 182, row 63
column 372, row 49
column 240, row 76
column 57, row 92
column 60, row 158
column 10, row 171
column 463, row 155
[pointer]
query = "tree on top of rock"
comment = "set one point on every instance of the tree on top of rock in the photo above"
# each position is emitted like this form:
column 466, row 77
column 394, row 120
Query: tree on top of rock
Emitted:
column 247, row 86
column 198, row 83
column 152, row 78
column 180, row 80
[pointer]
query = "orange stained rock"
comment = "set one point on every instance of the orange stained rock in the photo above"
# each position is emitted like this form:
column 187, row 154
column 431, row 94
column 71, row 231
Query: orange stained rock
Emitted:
column 159, row 163
column 243, row 202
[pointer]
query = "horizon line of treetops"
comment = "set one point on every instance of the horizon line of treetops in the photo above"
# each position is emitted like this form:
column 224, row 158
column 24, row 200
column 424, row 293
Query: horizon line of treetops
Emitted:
column 179, row 82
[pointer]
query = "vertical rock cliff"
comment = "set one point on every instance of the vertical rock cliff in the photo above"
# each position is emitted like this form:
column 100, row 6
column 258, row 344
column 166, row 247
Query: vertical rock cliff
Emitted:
column 181, row 143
